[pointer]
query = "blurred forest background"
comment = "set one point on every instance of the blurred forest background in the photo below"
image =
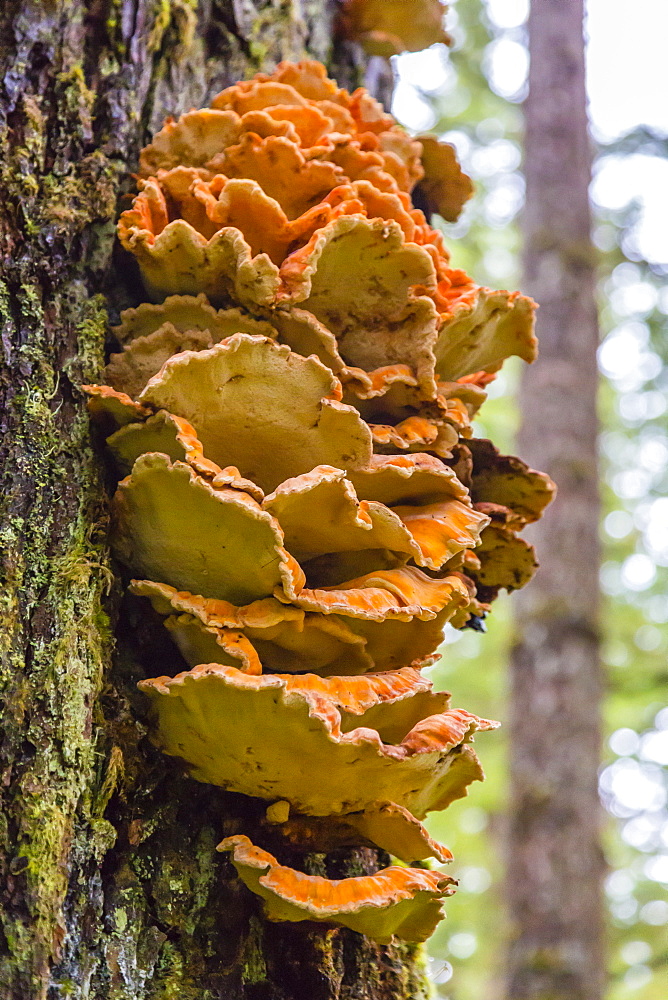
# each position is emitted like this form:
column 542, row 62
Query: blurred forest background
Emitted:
column 471, row 96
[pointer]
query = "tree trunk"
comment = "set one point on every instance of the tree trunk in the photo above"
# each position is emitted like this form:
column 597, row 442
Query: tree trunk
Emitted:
column 111, row 887
column 555, row 864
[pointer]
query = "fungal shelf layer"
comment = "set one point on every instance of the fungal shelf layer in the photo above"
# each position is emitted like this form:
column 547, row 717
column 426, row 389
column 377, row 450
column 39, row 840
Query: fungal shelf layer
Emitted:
column 304, row 502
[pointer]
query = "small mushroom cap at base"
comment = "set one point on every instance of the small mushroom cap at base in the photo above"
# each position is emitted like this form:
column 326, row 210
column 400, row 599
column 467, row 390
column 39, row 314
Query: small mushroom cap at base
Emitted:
column 405, row 902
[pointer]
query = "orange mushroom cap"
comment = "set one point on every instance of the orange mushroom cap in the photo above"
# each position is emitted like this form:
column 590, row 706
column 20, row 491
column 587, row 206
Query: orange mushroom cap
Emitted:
column 388, row 27
column 326, row 745
column 405, row 902
column 356, row 638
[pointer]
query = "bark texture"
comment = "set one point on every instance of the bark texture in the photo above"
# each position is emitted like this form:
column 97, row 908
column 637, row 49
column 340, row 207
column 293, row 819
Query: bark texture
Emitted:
column 111, row 887
column 555, row 863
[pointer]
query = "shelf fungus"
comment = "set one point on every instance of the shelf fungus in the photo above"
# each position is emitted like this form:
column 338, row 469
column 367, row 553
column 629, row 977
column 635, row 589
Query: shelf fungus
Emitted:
column 303, row 501
column 328, row 746
column 332, row 632
column 388, row 27
column 445, row 188
column 383, row 824
column 405, row 902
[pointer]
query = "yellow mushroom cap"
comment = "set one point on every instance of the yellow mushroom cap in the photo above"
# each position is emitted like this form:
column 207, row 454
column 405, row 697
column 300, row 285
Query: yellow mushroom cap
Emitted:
column 370, row 631
column 326, row 745
column 388, row 27
column 260, row 407
column 507, row 480
column 171, row 525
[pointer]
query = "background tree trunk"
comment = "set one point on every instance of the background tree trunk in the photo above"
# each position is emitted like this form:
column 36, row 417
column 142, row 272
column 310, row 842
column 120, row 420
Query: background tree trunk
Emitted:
column 555, row 865
column 111, row 887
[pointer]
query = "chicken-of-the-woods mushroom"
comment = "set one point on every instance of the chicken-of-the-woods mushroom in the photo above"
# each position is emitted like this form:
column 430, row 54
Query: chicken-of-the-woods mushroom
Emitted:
column 401, row 901
column 303, row 501
column 327, row 745
column 388, row 27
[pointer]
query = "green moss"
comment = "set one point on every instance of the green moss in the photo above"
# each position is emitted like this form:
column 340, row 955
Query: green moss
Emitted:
column 258, row 52
column 114, row 28
column 253, row 966
column 161, row 21
column 79, row 99
column 91, row 332
column 328, row 953
column 55, row 575
column 354, row 867
column 172, row 981
column 174, row 25
column 413, row 961
column 315, row 864
column 114, row 773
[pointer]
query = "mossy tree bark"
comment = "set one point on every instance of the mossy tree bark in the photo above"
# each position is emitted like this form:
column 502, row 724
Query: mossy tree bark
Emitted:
column 111, row 887
column 555, row 862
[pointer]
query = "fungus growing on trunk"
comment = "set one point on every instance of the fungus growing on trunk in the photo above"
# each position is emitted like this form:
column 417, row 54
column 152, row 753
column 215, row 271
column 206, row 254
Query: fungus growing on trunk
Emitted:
column 388, row 27
column 304, row 503
column 327, row 746
column 445, row 188
column 405, row 902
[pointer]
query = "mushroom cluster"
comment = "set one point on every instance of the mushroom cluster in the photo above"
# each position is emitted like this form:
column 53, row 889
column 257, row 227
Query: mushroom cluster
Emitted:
column 304, row 502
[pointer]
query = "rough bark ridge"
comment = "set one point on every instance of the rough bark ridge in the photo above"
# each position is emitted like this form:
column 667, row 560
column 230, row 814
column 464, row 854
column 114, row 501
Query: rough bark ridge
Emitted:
column 110, row 884
column 555, row 864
